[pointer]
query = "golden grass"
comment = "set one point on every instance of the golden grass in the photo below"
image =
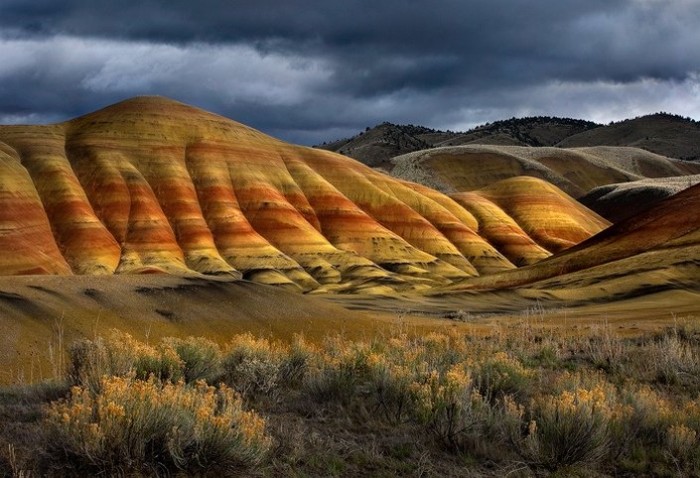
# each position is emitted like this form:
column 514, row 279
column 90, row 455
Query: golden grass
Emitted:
column 58, row 310
column 133, row 425
column 535, row 400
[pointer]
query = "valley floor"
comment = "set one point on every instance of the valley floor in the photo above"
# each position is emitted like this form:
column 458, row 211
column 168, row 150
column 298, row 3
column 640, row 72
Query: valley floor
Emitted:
column 41, row 315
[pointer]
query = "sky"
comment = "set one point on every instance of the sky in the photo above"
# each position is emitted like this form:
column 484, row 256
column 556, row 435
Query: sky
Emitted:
column 309, row 71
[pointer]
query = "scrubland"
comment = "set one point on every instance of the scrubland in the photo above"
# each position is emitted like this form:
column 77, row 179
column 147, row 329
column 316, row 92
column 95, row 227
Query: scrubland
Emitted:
column 526, row 401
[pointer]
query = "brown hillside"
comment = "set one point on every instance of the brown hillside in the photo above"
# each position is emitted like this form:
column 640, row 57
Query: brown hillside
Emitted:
column 664, row 134
column 530, row 131
column 576, row 171
column 619, row 201
column 153, row 185
column 376, row 146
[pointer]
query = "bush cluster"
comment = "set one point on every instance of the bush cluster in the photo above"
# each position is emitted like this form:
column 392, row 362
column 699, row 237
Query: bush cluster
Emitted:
column 550, row 402
column 152, row 426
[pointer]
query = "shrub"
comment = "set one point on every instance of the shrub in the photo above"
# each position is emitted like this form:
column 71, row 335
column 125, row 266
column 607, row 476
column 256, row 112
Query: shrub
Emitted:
column 296, row 362
column 119, row 354
column 89, row 362
column 681, row 442
column 201, row 358
column 252, row 365
column 501, row 375
column 568, row 430
column 138, row 425
column 650, row 415
column 447, row 404
column 604, row 351
column 676, row 361
column 128, row 354
column 393, row 391
column 341, row 372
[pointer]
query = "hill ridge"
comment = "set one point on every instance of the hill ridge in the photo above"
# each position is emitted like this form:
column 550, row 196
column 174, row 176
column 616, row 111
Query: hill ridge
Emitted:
column 377, row 145
column 574, row 170
column 650, row 132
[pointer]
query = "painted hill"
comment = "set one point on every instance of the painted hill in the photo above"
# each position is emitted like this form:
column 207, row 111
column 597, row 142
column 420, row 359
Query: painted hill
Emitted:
column 665, row 134
column 656, row 249
column 515, row 211
column 575, row 171
column 152, row 185
column 376, row 146
column 622, row 200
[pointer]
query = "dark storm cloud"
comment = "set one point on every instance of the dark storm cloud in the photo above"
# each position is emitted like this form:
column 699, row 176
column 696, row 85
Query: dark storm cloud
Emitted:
column 308, row 69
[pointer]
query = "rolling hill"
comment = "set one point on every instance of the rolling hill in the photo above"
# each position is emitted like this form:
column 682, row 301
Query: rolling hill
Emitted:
column 150, row 185
column 661, row 133
column 622, row 200
column 653, row 251
column 665, row 134
column 575, row 171
column 376, row 146
column 547, row 215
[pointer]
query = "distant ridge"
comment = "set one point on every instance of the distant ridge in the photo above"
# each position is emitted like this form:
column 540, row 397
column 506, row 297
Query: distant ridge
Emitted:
column 665, row 134
column 376, row 146
column 661, row 133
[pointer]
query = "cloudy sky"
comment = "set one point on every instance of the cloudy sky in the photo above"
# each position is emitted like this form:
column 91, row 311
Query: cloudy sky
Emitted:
column 314, row 70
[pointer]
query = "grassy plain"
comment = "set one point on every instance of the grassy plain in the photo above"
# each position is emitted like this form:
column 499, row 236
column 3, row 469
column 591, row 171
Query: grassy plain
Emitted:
column 117, row 375
column 41, row 315
column 540, row 393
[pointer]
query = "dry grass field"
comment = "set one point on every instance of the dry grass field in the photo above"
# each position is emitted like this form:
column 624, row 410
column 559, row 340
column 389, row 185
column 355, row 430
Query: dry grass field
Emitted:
column 523, row 399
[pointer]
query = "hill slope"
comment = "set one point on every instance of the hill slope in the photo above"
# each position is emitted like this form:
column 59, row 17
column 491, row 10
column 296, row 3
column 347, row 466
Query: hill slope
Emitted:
column 376, row 146
column 576, row 171
column 656, row 249
column 622, row 200
column 664, row 134
column 544, row 214
column 153, row 185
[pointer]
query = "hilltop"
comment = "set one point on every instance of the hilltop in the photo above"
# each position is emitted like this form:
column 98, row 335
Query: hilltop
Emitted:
column 575, row 170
